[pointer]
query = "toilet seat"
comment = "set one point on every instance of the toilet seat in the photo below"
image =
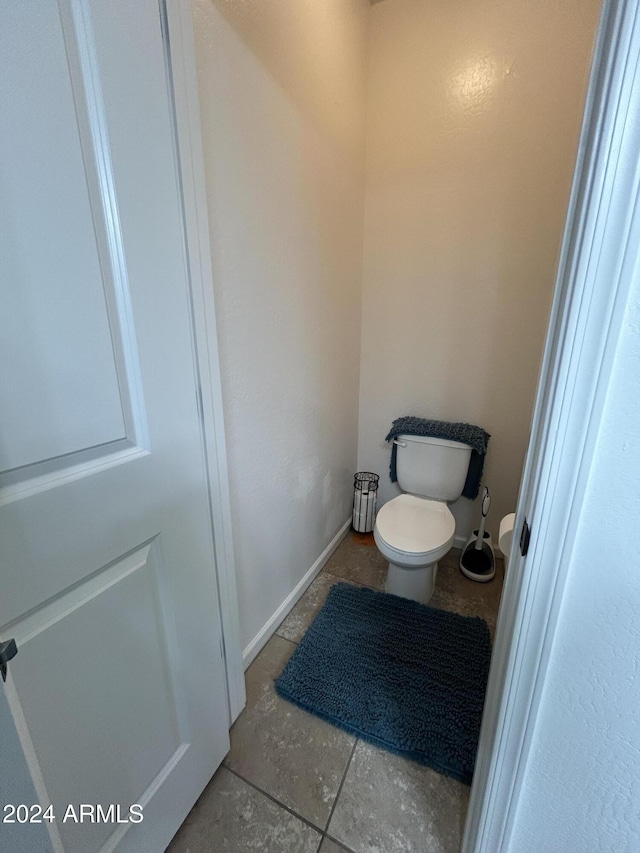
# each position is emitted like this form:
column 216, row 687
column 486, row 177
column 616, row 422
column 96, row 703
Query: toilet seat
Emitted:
column 414, row 532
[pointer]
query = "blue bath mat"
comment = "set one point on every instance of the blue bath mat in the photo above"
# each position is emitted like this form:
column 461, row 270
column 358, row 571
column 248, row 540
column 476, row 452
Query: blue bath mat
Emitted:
column 401, row 675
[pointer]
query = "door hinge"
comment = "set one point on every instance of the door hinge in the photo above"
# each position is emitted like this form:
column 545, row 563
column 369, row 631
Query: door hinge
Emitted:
column 525, row 535
column 8, row 650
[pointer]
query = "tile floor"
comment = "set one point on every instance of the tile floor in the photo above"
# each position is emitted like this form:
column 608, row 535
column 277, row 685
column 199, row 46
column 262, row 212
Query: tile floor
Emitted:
column 292, row 783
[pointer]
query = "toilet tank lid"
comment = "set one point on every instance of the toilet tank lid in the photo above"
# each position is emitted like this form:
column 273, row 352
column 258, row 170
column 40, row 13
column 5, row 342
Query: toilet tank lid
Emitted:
column 427, row 439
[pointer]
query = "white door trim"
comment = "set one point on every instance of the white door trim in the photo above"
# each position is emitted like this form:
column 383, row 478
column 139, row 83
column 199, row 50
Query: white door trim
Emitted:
column 181, row 61
column 592, row 287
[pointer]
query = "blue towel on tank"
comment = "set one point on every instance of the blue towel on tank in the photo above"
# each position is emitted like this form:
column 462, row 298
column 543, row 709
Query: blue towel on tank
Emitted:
column 469, row 434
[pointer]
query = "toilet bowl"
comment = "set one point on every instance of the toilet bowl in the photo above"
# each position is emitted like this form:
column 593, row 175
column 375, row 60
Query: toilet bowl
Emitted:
column 413, row 533
column 416, row 529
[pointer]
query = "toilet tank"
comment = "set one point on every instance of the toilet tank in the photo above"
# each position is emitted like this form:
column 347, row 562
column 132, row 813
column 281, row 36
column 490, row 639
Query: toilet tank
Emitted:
column 432, row 467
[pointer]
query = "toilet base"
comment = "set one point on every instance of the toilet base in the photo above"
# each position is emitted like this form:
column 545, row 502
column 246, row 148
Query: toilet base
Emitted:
column 416, row 584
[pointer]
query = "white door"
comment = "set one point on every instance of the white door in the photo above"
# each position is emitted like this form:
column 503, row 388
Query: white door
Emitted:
column 107, row 576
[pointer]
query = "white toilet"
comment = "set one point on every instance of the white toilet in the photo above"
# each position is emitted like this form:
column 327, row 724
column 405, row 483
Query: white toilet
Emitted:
column 416, row 529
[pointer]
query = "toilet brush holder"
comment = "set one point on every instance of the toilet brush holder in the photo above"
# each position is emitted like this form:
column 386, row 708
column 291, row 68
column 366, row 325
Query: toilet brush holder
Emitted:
column 478, row 560
column 478, row 564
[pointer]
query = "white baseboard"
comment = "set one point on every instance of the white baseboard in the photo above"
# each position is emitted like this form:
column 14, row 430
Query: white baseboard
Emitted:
column 459, row 542
column 267, row 631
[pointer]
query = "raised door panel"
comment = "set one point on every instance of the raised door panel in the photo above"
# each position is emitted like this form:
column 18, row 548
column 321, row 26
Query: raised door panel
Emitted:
column 57, row 289
column 105, row 657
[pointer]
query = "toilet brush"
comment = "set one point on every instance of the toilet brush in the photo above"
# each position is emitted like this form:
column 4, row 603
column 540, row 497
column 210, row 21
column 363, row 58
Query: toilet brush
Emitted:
column 477, row 560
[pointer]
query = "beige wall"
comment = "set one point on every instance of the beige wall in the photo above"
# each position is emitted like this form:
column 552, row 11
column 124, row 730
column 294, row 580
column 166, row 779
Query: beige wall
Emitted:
column 473, row 121
column 282, row 88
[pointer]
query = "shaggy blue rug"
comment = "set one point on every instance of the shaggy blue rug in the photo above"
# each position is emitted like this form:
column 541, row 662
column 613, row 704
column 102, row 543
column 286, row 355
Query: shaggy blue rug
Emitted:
column 401, row 675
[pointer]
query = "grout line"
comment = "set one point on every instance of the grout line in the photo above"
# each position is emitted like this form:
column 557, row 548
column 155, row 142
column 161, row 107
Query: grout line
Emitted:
column 337, row 843
column 286, row 639
column 323, row 572
column 295, row 642
column 344, row 776
column 277, row 802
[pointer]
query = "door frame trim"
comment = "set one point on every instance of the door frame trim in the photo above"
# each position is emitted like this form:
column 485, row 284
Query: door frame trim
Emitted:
column 596, row 267
column 183, row 91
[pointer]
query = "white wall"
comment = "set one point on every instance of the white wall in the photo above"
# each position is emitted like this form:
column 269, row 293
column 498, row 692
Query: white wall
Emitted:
column 582, row 786
column 282, row 89
column 473, row 121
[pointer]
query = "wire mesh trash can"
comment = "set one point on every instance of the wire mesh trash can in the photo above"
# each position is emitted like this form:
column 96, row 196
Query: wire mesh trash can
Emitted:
column 364, row 501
